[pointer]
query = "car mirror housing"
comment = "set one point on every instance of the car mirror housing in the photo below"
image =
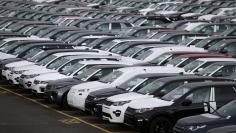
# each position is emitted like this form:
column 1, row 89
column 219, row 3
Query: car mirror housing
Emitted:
column 187, row 102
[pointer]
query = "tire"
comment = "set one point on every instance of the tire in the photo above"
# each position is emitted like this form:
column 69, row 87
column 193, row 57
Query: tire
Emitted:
column 161, row 125
column 64, row 103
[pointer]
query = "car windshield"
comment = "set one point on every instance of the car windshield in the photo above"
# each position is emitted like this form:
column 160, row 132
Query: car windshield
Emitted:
column 176, row 93
column 57, row 63
column 217, row 47
column 94, row 43
column 106, row 46
column 191, row 66
column 202, row 43
column 176, row 61
column 71, row 67
column 152, row 87
column 132, row 82
column 32, row 52
column 111, row 77
column 198, row 29
column 227, row 110
column 119, row 48
column 86, row 72
column 8, row 46
column 38, row 57
column 20, row 49
column 131, row 51
column 142, row 55
column 159, row 36
column 209, row 70
column 46, row 60
column 160, row 58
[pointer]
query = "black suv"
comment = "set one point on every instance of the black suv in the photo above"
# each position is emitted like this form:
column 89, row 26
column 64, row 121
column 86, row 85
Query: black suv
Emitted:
column 186, row 100
column 224, row 116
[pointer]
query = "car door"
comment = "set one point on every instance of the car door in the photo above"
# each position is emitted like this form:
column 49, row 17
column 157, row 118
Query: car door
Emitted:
column 197, row 97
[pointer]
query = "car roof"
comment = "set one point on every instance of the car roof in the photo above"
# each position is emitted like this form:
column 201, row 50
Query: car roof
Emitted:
column 189, row 77
column 218, row 83
column 216, row 59
column 204, row 55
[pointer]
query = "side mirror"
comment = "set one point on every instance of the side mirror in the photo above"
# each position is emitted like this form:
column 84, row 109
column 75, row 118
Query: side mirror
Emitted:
column 199, row 69
column 224, row 51
column 94, row 78
column 186, row 102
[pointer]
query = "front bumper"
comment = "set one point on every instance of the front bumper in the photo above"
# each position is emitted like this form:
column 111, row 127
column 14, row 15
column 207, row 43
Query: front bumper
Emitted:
column 39, row 88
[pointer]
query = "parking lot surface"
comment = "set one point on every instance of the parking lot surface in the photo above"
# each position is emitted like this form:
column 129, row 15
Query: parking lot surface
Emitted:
column 21, row 112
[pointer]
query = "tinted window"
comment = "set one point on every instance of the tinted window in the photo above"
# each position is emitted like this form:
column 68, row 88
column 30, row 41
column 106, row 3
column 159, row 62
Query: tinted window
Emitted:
column 200, row 95
column 225, row 93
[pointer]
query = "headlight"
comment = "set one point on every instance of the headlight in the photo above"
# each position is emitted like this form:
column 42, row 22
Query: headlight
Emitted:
column 18, row 72
column 31, row 76
column 121, row 103
column 43, row 82
column 101, row 98
column 83, row 90
column 143, row 110
column 195, row 128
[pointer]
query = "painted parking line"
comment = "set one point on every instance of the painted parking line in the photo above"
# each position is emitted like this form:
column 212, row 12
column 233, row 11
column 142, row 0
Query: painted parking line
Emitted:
column 60, row 112
column 70, row 121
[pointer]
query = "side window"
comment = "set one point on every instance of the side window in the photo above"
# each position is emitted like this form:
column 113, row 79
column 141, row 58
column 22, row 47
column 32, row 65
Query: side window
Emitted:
column 171, row 86
column 225, row 71
column 225, row 93
column 233, row 33
column 103, row 27
column 116, row 26
column 221, row 28
column 186, row 62
column 200, row 95
column 102, row 73
column 144, row 84
column 208, row 29
column 204, row 66
column 231, row 48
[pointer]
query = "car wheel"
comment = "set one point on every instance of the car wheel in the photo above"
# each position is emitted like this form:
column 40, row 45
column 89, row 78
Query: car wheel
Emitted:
column 161, row 125
column 64, row 102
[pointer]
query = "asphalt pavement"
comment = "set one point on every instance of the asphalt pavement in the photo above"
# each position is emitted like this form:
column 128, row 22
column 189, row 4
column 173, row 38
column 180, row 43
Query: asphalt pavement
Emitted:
column 21, row 112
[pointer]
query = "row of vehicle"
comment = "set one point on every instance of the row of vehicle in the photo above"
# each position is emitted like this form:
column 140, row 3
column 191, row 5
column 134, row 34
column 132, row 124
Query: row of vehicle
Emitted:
column 143, row 64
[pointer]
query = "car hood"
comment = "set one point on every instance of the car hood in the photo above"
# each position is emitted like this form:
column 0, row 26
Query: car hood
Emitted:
column 127, row 97
column 19, row 63
column 51, row 76
column 107, row 92
column 130, row 61
column 166, row 12
column 89, row 85
column 190, row 14
column 6, row 56
column 206, row 17
column 28, row 67
column 199, row 119
column 42, row 71
column 150, row 103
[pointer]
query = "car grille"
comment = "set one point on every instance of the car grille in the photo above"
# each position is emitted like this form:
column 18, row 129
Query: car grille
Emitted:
column 130, row 111
column 36, row 82
column 90, row 98
column 107, row 103
column 22, row 76
column 178, row 129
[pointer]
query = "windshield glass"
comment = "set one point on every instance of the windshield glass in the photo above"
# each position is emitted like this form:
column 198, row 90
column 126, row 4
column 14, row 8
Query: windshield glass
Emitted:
column 202, row 43
column 161, row 58
column 209, row 70
column 176, row 93
column 106, row 46
column 228, row 109
column 57, row 63
column 176, row 61
column 70, row 68
column 217, row 47
column 20, row 49
column 191, row 66
column 132, row 82
column 32, row 52
column 111, row 77
column 8, row 46
column 46, row 60
column 86, row 72
column 131, row 51
column 119, row 48
column 152, row 87
column 142, row 55
column 38, row 57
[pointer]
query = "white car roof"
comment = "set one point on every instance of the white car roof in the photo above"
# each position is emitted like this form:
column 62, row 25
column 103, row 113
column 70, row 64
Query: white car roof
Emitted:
column 127, row 40
column 152, row 68
column 76, row 53
column 96, row 36
column 22, row 38
column 101, row 62
column 216, row 59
